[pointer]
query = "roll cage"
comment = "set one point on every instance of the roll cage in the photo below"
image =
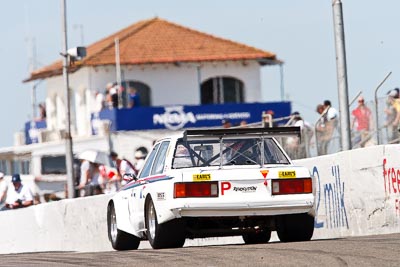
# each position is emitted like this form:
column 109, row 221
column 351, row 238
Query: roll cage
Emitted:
column 222, row 147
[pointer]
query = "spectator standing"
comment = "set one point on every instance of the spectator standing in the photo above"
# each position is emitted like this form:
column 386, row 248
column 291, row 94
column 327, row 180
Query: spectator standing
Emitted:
column 226, row 123
column 123, row 166
column 114, row 96
column 268, row 119
column 97, row 180
column 86, row 173
column 18, row 196
column 139, row 160
column 99, row 102
column 42, row 111
column 297, row 149
column 134, row 98
column 394, row 103
column 331, row 113
column 109, row 95
column 325, row 127
column 361, row 122
column 391, row 113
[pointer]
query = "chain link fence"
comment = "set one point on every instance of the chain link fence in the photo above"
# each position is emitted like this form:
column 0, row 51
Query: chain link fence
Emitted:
column 382, row 131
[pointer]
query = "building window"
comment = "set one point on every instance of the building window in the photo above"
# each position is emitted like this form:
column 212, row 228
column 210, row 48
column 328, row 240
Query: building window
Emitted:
column 53, row 165
column 4, row 167
column 25, row 166
column 220, row 90
column 142, row 89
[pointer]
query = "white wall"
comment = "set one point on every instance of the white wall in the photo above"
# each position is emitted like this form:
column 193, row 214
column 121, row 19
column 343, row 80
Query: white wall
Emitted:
column 168, row 81
column 169, row 85
column 351, row 196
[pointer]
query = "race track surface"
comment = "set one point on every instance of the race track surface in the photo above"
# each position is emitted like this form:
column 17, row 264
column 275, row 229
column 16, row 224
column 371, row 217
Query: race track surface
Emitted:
column 381, row 250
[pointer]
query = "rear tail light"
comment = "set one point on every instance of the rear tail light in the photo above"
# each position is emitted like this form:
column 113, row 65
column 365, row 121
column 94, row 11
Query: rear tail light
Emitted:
column 292, row 186
column 196, row 189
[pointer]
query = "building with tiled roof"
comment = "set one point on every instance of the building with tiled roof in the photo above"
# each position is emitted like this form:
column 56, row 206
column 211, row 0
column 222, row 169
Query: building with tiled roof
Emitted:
column 168, row 64
column 157, row 41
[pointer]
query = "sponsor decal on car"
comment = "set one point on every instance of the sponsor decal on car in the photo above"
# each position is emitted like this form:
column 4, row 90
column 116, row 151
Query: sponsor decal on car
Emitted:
column 225, row 186
column 161, row 196
column 245, row 189
column 201, row 177
column 287, row 174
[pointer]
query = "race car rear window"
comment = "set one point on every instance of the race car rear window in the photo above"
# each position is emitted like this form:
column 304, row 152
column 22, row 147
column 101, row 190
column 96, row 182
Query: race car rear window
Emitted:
column 229, row 151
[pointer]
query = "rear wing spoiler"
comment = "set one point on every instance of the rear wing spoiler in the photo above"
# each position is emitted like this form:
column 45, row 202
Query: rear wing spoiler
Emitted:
column 231, row 132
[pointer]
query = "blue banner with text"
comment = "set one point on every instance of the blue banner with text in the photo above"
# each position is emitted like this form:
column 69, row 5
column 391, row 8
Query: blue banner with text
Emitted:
column 184, row 116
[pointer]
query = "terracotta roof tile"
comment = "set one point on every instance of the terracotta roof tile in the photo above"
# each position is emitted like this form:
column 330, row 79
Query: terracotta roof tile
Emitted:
column 159, row 41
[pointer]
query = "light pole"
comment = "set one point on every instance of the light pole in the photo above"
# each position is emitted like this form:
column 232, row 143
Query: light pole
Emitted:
column 282, row 82
column 67, row 136
column 341, row 74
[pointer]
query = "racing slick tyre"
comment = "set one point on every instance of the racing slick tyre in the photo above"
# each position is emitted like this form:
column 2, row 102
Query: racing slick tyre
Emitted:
column 120, row 240
column 261, row 237
column 295, row 227
column 166, row 235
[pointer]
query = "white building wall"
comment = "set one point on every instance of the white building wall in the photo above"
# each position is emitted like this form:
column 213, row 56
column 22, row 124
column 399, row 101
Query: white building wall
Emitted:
column 80, row 115
column 172, row 85
column 169, row 84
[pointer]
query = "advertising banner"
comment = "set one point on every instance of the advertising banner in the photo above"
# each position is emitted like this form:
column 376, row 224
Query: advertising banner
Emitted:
column 183, row 116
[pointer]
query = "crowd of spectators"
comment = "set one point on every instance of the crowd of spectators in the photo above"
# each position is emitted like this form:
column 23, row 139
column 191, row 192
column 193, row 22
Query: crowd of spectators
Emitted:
column 322, row 136
column 94, row 178
column 116, row 96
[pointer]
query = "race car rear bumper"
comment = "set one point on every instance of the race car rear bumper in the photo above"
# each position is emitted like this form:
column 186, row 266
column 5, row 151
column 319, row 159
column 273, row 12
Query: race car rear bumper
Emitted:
column 243, row 209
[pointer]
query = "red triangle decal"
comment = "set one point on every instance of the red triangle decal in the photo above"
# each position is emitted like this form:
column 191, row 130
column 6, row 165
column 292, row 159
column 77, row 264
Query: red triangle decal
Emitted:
column 264, row 173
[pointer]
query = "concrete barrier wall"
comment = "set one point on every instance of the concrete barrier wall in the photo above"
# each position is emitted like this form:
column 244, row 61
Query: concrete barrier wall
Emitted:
column 357, row 193
column 68, row 225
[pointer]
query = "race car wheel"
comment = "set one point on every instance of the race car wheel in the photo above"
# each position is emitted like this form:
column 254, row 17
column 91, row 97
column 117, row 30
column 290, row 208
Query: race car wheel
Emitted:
column 295, row 227
column 261, row 237
column 166, row 235
column 120, row 240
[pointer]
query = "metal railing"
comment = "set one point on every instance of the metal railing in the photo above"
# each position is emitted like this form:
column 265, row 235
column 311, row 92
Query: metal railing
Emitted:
column 381, row 125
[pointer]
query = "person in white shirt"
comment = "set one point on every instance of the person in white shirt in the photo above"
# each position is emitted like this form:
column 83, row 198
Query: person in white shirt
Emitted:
column 139, row 161
column 98, row 102
column 297, row 149
column 332, row 113
column 18, row 196
column 86, row 173
column 123, row 167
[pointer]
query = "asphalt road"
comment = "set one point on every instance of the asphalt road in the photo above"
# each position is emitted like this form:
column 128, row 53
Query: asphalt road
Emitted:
column 381, row 250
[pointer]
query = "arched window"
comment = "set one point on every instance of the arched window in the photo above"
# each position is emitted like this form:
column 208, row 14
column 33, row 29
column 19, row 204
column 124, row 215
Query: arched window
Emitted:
column 142, row 89
column 219, row 90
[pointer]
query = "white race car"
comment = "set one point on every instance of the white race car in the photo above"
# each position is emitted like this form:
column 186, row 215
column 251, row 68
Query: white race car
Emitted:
column 212, row 183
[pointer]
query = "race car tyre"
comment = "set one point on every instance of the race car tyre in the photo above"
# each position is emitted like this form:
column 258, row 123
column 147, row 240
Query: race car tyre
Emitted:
column 261, row 237
column 120, row 240
column 295, row 227
column 166, row 235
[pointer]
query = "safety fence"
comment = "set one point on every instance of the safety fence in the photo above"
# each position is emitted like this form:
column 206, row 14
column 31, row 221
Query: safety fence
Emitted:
column 323, row 137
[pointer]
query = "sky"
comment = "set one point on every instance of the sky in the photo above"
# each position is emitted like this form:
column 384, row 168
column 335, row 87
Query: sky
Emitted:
column 299, row 32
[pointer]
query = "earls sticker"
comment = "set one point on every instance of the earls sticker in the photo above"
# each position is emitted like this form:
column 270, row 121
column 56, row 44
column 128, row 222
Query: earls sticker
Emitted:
column 287, row 174
column 201, row 177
